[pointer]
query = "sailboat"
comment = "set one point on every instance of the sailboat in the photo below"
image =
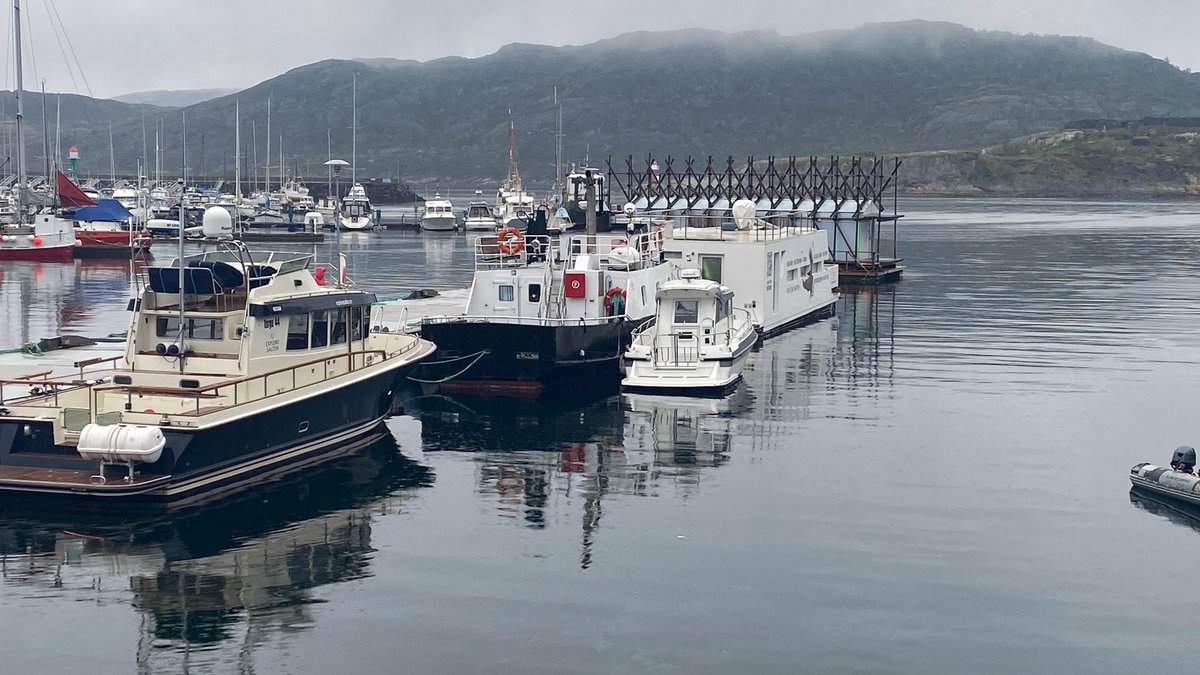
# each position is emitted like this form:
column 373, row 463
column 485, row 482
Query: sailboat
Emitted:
column 356, row 214
column 513, row 203
column 36, row 234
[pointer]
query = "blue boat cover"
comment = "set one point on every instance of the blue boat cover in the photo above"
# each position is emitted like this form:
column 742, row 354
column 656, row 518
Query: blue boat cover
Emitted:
column 105, row 210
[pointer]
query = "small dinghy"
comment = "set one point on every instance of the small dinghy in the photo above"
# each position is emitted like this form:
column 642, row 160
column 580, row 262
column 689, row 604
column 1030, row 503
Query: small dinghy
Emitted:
column 1179, row 480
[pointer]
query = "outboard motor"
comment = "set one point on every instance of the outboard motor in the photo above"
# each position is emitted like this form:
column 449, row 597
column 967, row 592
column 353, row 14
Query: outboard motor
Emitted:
column 1183, row 459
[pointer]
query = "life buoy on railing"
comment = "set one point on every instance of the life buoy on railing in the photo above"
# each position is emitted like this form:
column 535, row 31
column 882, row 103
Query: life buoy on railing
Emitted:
column 510, row 240
column 610, row 300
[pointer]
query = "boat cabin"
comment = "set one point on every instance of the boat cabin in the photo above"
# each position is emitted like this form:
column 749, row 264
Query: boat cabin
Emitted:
column 690, row 307
column 242, row 315
column 532, row 276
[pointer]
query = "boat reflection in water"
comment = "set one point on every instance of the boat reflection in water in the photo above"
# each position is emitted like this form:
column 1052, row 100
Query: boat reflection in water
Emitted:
column 543, row 465
column 226, row 576
column 1178, row 512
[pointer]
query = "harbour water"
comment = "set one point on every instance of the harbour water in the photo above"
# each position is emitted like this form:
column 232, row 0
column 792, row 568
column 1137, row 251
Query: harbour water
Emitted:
column 934, row 481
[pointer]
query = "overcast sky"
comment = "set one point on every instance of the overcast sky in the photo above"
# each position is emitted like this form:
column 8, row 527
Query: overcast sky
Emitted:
column 134, row 45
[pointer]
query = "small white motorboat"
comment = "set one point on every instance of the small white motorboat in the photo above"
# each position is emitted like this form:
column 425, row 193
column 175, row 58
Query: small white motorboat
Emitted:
column 697, row 342
column 356, row 214
column 479, row 217
column 439, row 215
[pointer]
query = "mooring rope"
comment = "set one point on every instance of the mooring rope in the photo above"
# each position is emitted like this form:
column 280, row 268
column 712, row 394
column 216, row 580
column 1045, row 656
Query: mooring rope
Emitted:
column 475, row 358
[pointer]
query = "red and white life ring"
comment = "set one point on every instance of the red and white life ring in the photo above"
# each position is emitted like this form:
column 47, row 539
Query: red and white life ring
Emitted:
column 510, row 240
column 612, row 293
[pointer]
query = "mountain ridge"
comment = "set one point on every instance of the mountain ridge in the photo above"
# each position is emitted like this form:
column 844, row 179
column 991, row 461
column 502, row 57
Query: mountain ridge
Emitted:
column 880, row 88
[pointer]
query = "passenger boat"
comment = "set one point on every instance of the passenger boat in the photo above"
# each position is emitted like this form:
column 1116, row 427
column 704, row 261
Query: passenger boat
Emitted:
column 697, row 342
column 545, row 318
column 1178, row 481
column 479, row 217
column 237, row 364
column 356, row 214
column 439, row 215
column 779, row 266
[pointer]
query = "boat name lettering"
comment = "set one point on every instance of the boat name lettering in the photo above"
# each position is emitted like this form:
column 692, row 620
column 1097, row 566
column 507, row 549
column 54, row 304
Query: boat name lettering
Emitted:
column 792, row 289
column 527, row 356
column 276, row 308
column 343, row 303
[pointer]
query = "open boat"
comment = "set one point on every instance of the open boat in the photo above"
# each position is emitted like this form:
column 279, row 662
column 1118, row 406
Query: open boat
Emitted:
column 697, row 342
column 1178, row 481
column 274, row 363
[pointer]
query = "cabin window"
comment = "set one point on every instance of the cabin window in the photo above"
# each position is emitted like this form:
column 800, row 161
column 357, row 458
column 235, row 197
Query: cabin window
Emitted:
column 338, row 333
column 791, row 274
column 506, row 293
column 687, row 311
column 710, row 267
column 643, row 295
column 320, row 329
column 535, row 292
column 356, row 323
column 197, row 329
column 365, row 328
column 722, row 310
column 297, row 336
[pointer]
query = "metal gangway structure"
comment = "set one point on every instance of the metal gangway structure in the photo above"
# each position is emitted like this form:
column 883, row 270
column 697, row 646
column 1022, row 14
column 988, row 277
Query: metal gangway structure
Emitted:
column 852, row 199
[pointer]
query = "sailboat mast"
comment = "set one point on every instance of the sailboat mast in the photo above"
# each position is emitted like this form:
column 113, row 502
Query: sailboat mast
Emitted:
column 354, row 130
column 112, row 157
column 45, row 133
column 184, row 186
column 237, row 156
column 58, row 133
column 267, row 166
column 22, row 179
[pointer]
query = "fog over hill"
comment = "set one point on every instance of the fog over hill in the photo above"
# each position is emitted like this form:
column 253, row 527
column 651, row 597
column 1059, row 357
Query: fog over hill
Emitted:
column 898, row 87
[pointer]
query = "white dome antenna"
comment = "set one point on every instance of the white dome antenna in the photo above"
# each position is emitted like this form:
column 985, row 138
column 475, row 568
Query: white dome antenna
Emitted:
column 743, row 213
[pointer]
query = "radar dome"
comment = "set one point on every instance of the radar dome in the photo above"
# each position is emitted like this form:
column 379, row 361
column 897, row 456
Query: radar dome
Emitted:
column 743, row 213
column 218, row 224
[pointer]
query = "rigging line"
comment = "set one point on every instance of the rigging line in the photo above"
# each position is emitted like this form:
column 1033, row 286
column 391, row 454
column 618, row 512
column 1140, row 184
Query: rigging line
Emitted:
column 8, row 53
column 32, row 51
column 58, row 38
column 70, row 44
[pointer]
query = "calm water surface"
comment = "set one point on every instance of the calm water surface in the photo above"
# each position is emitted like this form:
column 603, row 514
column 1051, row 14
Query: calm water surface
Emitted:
column 935, row 481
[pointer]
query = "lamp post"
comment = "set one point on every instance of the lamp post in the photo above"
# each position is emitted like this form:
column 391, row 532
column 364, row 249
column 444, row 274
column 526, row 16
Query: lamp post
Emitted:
column 336, row 165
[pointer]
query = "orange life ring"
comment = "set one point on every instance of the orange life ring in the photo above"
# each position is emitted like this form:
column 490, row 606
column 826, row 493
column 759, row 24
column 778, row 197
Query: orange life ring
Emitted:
column 612, row 293
column 510, row 240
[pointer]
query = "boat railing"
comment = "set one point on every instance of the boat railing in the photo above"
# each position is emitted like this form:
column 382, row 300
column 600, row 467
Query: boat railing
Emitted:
column 492, row 252
column 523, row 320
column 623, row 251
column 232, row 393
column 722, row 226
column 676, row 349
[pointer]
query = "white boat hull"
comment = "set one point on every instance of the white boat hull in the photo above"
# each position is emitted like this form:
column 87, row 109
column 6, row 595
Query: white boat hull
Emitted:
column 439, row 223
column 355, row 223
column 480, row 224
column 709, row 375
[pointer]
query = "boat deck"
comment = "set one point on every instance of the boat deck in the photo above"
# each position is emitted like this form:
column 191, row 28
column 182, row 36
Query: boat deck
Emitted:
column 115, row 476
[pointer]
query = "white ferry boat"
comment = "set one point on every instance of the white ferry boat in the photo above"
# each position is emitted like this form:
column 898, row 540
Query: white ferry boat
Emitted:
column 778, row 266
